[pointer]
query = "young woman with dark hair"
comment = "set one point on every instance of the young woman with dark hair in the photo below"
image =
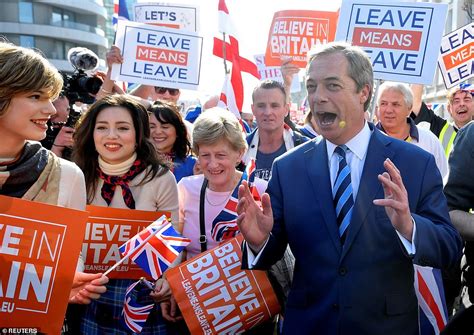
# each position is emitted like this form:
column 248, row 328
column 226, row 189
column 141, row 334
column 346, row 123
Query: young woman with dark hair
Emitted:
column 170, row 138
column 122, row 170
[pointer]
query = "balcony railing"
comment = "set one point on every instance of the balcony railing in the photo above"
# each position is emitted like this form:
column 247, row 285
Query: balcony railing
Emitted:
column 78, row 26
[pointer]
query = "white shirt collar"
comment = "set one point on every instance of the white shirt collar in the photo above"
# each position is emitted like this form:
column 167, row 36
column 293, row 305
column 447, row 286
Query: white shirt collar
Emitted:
column 358, row 144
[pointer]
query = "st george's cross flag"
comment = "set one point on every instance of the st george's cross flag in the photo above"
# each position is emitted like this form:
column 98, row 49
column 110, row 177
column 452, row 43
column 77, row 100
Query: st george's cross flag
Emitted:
column 155, row 247
column 433, row 314
column 135, row 313
column 232, row 95
column 224, row 226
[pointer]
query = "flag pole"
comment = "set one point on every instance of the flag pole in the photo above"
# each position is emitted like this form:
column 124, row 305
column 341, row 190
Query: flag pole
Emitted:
column 224, row 55
column 127, row 256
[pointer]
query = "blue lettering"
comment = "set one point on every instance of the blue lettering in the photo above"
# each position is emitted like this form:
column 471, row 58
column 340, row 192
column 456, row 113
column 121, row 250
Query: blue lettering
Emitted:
column 151, row 39
column 442, row 50
column 135, row 70
column 454, row 41
column 163, row 41
column 395, row 62
column 148, row 68
column 418, row 17
column 139, row 39
column 172, row 16
column 182, row 73
column 408, row 61
column 161, row 70
column 466, row 35
column 404, row 61
column 380, row 59
column 400, row 18
column 388, row 18
column 357, row 21
column 373, row 16
column 463, row 71
column 186, row 44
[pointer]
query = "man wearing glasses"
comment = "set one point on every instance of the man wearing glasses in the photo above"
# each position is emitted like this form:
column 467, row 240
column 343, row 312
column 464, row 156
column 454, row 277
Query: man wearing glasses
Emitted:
column 154, row 93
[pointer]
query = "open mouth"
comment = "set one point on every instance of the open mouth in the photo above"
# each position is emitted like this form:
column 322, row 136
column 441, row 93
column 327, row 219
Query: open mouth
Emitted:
column 326, row 119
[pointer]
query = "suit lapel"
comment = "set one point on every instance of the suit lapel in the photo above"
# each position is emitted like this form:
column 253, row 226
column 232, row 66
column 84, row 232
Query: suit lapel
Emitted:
column 316, row 161
column 377, row 151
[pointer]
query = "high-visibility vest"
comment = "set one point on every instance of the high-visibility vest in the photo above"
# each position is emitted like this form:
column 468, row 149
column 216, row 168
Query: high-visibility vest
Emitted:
column 447, row 136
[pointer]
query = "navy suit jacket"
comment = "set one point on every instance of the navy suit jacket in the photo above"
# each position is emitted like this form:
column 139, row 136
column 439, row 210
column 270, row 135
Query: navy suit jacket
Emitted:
column 366, row 286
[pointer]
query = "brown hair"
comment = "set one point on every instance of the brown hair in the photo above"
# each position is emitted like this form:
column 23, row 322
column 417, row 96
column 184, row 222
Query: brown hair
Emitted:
column 23, row 71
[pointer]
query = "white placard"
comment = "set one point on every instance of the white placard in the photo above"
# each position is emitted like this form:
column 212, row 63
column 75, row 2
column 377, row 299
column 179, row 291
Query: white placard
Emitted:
column 158, row 56
column 402, row 39
column 274, row 72
column 178, row 16
column 456, row 60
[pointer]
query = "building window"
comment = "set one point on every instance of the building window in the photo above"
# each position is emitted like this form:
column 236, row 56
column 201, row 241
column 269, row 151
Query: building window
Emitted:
column 62, row 18
column 27, row 41
column 58, row 50
column 25, row 10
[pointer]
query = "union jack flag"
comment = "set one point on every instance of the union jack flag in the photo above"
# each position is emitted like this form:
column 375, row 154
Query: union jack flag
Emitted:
column 224, row 225
column 155, row 247
column 433, row 314
column 135, row 314
column 120, row 11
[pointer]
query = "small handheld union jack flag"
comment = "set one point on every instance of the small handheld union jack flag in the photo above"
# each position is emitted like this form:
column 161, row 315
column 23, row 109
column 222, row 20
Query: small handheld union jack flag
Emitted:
column 224, row 225
column 135, row 313
column 433, row 315
column 155, row 247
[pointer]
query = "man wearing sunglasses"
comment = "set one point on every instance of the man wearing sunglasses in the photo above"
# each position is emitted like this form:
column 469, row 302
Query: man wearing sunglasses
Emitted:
column 156, row 92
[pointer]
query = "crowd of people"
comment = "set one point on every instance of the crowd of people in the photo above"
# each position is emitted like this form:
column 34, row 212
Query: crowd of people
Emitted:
column 346, row 207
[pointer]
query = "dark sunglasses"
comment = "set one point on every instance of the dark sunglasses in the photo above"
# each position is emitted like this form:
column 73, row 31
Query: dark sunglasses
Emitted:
column 162, row 90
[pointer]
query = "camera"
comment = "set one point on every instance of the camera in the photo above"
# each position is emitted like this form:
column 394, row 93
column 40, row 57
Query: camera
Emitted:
column 79, row 86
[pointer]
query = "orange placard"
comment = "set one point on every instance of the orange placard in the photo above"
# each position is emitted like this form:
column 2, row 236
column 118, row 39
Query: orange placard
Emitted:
column 216, row 296
column 39, row 250
column 107, row 229
column 294, row 32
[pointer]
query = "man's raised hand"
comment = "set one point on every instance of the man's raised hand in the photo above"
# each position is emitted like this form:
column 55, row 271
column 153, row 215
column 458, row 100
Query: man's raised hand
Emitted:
column 255, row 223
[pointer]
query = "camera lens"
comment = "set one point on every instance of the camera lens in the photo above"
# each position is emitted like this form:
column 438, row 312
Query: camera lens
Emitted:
column 90, row 84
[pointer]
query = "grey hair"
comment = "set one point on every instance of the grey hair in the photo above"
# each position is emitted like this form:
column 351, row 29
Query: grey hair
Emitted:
column 401, row 88
column 217, row 124
column 359, row 69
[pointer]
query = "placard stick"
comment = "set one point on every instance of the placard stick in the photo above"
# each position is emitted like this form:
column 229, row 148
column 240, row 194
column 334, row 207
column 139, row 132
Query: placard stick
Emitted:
column 378, row 82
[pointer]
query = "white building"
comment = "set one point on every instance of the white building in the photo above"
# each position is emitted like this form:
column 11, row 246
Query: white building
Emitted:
column 55, row 26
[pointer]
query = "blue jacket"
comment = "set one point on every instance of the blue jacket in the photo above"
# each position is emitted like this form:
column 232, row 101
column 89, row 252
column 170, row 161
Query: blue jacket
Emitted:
column 183, row 167
column 366, row 286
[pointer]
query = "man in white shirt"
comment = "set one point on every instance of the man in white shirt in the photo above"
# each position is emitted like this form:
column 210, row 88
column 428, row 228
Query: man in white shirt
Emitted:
column 394, row 104
column 357, row 208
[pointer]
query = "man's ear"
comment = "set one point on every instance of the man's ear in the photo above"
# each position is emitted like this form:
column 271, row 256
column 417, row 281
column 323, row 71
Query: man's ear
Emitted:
column 449, row 108
column 364, row 94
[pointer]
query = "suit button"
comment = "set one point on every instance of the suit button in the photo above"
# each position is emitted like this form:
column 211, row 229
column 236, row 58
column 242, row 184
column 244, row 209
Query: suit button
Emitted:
column 342, row 271
column 335, row 307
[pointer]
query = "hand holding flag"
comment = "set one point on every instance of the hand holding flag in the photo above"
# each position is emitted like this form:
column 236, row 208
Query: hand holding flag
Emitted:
column 154, row 248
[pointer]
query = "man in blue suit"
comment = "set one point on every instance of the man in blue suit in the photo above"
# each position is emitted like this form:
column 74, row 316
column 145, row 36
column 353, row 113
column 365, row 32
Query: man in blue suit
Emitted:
column 357, row 208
